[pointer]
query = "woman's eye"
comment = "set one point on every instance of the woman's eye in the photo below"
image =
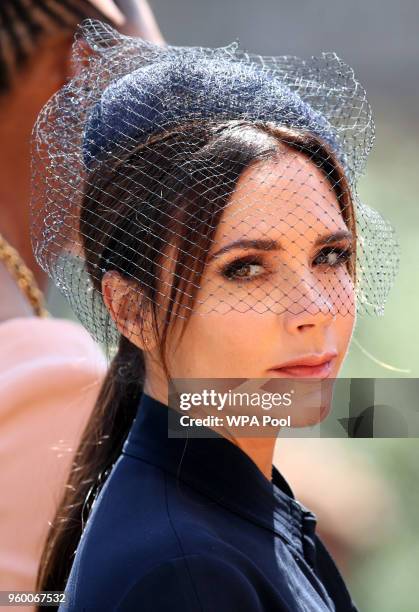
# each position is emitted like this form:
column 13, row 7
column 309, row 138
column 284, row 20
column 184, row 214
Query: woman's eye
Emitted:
column 332, row 257
column 247, row 269
column 243, row 269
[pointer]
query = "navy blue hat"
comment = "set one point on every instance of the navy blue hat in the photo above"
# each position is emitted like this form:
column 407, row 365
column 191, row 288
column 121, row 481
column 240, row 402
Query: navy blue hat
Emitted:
column 130, row 90
column 172, row 91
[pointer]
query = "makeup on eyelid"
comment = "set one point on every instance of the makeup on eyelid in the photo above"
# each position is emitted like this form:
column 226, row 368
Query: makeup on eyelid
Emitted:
column 341, row 256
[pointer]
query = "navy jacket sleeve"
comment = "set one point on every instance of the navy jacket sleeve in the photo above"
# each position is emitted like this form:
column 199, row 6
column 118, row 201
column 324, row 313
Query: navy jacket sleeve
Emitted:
column 190, row 584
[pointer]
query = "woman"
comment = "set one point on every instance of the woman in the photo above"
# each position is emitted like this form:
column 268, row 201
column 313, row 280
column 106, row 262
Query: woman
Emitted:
column 187, row 202
column 50, row 369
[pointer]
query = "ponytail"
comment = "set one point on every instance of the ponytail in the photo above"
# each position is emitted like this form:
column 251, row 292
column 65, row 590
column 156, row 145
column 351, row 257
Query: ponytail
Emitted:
column 115, row 200
column 100, row 447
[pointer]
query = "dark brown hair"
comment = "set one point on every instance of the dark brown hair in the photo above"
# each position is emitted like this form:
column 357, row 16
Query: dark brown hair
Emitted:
column 166, row 186
column 24, row 23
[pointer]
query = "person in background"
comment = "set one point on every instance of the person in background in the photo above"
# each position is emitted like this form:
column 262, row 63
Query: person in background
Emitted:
column 50, row 369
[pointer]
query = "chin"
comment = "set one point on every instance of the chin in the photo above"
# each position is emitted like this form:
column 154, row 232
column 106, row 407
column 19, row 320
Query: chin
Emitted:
column 315, row 419
column 324, row 412
column 315, row 408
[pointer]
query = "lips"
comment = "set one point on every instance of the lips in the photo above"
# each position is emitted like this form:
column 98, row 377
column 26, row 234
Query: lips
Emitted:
column 309, row 366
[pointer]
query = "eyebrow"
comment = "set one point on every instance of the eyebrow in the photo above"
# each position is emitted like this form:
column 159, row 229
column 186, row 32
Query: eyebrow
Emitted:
column 274, row 245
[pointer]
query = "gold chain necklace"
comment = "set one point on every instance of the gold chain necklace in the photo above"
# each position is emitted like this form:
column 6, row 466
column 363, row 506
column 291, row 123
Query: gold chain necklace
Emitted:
column 23, row 276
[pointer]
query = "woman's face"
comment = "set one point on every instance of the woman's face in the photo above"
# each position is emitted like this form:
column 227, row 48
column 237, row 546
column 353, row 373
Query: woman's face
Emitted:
column 283, row 303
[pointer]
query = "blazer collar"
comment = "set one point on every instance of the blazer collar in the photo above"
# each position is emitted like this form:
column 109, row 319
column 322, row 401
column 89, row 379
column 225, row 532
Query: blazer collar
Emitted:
column 220, row 470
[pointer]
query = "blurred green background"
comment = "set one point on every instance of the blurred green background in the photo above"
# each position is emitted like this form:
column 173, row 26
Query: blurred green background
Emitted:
column 380, row 40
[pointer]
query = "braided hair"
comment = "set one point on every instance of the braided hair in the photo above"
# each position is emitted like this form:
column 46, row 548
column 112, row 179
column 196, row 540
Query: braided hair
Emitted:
column 23, row 23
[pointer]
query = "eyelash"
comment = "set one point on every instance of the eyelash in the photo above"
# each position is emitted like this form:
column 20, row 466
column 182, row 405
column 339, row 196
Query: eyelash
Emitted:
column 343, row 256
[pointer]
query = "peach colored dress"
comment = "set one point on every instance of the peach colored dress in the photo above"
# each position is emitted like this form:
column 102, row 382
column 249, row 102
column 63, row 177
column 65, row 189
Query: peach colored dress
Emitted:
column 50, row 374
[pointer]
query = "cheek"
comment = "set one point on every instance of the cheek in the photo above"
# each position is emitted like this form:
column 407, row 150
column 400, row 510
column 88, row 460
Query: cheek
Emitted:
column 343, row 329
column 344, row 307
column 347, row 319
column 220, row 346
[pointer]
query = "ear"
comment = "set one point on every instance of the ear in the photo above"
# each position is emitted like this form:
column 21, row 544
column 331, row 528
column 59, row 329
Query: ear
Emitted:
column 47, row 70
column 84, row 51
column 69, row 68
column 125, row 303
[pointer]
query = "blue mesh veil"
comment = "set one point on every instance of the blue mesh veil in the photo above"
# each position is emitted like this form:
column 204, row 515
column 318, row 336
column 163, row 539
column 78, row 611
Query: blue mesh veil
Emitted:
column 151, row 160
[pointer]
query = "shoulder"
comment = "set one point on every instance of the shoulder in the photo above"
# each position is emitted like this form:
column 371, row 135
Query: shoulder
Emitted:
column 201, row 581
column 118, row 573
column 30, row 337
column 51, row 372
column 48, row 362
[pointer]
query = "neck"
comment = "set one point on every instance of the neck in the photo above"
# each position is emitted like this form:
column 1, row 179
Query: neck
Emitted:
column 260, row 450
column 15, row 134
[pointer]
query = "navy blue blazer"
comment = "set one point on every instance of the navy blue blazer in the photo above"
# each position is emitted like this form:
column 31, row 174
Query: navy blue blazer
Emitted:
column 194, row 526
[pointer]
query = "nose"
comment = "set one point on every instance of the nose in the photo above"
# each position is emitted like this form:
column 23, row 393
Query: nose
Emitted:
column 310, row 306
